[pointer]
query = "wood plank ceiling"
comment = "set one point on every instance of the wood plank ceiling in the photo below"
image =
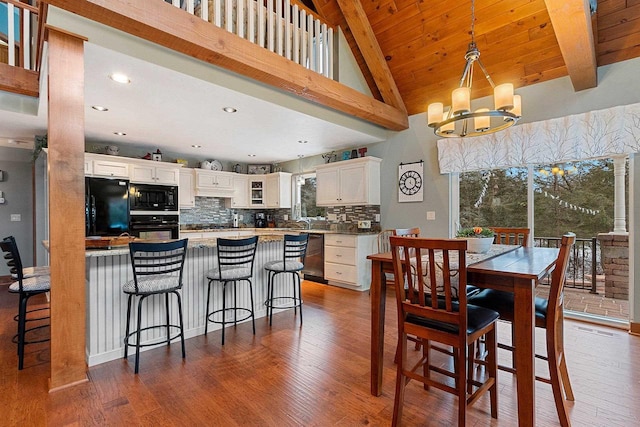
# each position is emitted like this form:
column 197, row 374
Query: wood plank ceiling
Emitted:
column 424, row 42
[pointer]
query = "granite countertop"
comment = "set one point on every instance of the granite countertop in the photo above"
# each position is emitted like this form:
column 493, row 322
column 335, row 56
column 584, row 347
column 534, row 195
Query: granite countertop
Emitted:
column 194, row 243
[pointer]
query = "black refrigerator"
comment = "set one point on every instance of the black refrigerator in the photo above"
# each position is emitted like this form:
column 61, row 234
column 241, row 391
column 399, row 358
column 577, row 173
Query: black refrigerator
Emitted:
column 106, row 206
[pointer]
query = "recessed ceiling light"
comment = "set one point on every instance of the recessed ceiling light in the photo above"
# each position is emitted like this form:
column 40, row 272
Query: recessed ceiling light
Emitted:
column 251, row 155
column 120, row 133
column 120, row 78
column 99, row 108
column 302, row 141
column 196, row 146
column 229, row 110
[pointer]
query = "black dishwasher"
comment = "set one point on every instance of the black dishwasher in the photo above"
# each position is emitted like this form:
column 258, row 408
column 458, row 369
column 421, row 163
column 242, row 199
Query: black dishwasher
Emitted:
column 314, row 260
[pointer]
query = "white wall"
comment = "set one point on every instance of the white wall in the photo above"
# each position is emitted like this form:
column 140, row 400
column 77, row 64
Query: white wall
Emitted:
column 16, row 189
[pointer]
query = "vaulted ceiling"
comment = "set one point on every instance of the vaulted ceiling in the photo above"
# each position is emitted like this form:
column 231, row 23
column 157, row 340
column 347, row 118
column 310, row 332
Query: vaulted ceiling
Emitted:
column 424, row 41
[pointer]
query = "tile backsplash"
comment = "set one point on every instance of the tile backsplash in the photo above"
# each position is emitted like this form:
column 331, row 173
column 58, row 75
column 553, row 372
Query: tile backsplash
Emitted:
column 211, row 211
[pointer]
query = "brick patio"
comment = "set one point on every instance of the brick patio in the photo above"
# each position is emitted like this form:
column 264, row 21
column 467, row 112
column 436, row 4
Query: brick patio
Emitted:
column 582, row 301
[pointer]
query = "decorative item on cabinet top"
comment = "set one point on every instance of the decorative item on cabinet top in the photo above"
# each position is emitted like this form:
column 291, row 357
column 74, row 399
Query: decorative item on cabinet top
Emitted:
column 213, row 165
column 259, row 169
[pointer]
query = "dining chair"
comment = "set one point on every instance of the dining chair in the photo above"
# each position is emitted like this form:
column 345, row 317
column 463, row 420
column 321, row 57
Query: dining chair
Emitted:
column 234, row 265
column 157, row 270
column 25, row 287
column 549, row 316
column 511, row 235
column 292, row 262
column 407, row 232
column 429, row 315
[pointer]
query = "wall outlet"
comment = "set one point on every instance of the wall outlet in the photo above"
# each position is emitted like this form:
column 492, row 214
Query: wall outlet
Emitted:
column 16, row 217
column 377, row 217
column 343, row 217
column 241, row 217
column 364, row 224
column 332, row 217
column 431, row 215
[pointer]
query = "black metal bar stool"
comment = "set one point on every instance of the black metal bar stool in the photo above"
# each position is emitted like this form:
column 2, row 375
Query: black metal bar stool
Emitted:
column 26, row 288
column 157, row 270
column 295, row 249
column 235, row 265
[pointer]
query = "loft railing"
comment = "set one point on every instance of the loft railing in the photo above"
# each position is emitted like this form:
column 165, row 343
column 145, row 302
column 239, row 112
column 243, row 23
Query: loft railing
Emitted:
column 286, row 29
column 18, row 30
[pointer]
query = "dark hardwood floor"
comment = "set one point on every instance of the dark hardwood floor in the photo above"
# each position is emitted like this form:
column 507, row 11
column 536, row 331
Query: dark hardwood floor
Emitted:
column 314, row 375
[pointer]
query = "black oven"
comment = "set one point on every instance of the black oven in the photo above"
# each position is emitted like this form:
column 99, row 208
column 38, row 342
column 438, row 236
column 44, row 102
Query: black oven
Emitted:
column 157, row 227
column 149, row 197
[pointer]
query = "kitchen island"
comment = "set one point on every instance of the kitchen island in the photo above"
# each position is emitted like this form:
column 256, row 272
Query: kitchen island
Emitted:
column 108, row 270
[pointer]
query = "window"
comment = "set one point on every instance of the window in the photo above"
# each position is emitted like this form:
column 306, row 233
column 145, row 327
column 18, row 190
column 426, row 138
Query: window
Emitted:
column 305, row 197
column 494, row 198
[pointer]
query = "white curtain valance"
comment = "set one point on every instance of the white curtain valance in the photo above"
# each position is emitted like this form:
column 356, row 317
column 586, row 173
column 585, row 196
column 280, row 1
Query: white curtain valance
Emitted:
column 596, row 134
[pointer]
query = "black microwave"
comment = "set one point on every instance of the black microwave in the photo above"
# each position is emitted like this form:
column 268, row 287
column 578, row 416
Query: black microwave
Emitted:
column 149, row 197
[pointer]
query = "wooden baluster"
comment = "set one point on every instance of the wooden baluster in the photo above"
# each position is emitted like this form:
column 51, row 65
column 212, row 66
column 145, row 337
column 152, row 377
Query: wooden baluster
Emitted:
column 296, row 34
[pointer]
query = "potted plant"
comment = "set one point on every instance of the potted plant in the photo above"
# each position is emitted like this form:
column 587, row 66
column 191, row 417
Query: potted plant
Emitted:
column 479, row 239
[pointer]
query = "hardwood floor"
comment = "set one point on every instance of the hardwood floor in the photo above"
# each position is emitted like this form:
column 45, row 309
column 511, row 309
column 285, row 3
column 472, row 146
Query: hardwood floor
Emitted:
column 314, row 375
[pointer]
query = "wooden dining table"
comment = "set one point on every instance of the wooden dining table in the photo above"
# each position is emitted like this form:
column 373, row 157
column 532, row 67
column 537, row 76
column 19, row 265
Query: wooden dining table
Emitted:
column 517, row 271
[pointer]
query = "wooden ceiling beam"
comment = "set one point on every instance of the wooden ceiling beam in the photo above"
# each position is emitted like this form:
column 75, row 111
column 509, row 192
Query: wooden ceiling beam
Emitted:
column 572, row 24
column 161, row 23
column 370, row 49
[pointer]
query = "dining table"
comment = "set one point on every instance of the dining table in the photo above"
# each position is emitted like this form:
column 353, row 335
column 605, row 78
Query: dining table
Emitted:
column 517, row 270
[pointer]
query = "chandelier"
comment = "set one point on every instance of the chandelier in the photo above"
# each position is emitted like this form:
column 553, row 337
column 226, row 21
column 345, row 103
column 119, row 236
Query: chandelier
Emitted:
column 459, row 120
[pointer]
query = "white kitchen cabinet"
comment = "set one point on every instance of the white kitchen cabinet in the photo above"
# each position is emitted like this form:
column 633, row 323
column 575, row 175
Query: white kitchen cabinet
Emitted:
column 88, row 167
column 154, row 173
column 214, row 183
column 110, row 169
column 186, row 194
column 240, row 197
column 350, row 182
column 345, row 259
column 278, row 190
column 257, row 189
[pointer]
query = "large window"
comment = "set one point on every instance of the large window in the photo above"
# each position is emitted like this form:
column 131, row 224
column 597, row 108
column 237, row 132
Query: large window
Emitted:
column 577, row 197
column 494, row 198
column 305, row 197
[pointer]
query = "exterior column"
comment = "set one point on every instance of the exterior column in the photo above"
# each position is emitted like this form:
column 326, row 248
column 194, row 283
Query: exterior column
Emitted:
column 66, row 208
column 619, row 221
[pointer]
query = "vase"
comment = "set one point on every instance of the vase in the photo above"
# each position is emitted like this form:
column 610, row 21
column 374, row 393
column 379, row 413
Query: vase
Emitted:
column 479, row 245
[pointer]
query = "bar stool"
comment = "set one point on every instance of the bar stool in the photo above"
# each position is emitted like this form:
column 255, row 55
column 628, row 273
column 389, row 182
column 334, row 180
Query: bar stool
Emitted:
column 235, row 264
column 157, row 270
column 26, row 288
column 295, row 249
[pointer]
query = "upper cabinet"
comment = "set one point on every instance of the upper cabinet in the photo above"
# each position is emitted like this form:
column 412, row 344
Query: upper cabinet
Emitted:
column 186, row 194
column 214, row 183
column 350, row 182
column 240, row 197
column 107, row 168
column 257, row 188
column 151, row 173
column 278, row 190
column 136, row 170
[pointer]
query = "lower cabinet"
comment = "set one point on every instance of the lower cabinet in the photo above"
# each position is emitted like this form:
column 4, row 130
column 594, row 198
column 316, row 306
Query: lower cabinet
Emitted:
column 345, row 260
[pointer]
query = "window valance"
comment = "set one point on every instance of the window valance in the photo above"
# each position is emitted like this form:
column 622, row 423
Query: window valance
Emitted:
column 596, row 134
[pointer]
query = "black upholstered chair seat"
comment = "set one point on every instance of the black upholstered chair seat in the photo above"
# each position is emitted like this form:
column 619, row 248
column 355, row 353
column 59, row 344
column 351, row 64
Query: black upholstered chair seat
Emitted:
column 477, row 318
column 502, row 302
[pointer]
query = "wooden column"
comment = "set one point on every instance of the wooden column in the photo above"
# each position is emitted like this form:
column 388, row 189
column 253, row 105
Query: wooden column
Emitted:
column 66, row 208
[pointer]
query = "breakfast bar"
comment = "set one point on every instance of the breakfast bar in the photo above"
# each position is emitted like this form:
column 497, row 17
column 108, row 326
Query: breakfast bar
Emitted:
column 107, row 270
